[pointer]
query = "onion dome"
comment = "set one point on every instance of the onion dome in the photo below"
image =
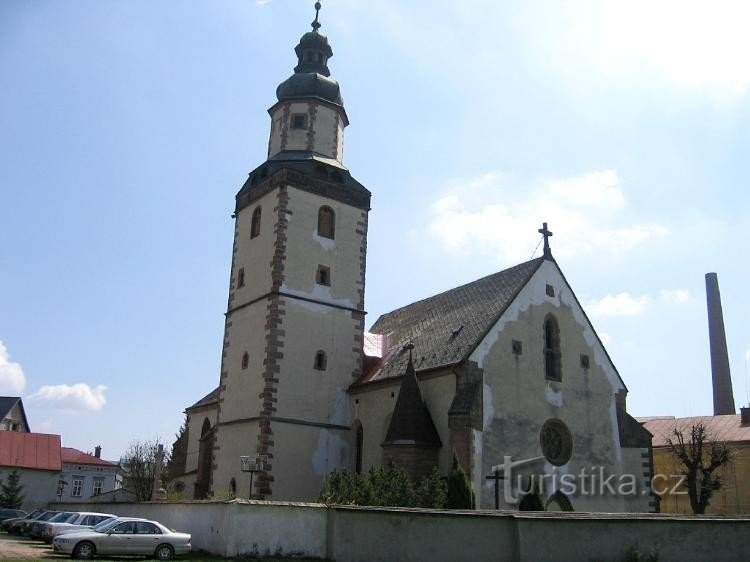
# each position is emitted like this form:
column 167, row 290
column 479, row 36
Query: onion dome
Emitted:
column 311, row 78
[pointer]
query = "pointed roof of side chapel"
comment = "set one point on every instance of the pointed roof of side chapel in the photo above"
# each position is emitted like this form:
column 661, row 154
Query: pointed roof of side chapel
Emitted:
column 411, row 423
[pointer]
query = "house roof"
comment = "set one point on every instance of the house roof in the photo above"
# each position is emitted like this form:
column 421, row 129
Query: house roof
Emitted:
column 446, row 328
column 208, row 400
column 6, row 405
column 411, row 423
column 727, row 428
column 74, row 456
column 38, row 451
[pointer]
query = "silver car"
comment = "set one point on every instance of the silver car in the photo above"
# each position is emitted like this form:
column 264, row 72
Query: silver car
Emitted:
column 128, row 536
column 82, row 520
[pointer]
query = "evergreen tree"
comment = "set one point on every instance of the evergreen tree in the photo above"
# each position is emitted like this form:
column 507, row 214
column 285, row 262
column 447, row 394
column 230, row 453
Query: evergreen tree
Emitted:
column 11, row 491
column 460, row 494
column 176, row 464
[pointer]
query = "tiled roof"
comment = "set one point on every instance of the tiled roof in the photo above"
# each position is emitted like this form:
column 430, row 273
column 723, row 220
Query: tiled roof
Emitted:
column 209, row 399
column 411, row 423
column 446, row 328
column 39, row 451
column 74, row 456
column 720, row 428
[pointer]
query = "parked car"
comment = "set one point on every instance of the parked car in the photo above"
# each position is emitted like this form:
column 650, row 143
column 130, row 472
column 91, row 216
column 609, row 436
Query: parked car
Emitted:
column 8, row 523
column 11, row 514
column 127, row 536
column 34, row 529
column 22, row 526
column 82, row 520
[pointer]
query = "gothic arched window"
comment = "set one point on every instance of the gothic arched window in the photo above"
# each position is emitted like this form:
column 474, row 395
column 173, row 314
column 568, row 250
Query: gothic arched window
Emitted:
column 552, row 355
column 359, row 449
column 320, row 361
column 326, row 222
column 245, row 360
column 255, row 224
column 241, row 277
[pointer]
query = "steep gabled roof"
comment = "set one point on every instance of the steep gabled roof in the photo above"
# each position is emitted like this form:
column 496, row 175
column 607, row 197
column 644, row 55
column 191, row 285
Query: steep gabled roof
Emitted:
column 6, row 405
column 446, row 328
column 208, row 400
column 39, row 451
column 411, row 423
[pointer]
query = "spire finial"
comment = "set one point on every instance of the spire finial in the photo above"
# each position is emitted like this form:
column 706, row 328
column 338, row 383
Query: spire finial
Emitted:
column 544, row 231
column 316, row 23
column 409, row 346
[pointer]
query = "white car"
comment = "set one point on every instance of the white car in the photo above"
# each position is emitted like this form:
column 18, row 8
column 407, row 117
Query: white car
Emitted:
column 128, row 536
column 49, row 529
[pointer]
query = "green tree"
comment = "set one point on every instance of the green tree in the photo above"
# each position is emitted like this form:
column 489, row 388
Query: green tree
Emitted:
column 175, row 466
column 11, row 491
column 391, row 487
column 432, row 491
column 460, row 494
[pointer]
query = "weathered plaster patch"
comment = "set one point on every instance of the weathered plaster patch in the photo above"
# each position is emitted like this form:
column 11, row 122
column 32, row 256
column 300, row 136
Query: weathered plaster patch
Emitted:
column 331, row 452
column 327, row 244
column 488, row 407
column 319, row 293
column 341, row 412
column 554, row 396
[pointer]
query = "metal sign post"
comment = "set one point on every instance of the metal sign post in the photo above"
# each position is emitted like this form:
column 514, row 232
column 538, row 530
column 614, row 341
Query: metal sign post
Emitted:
column 252, row 466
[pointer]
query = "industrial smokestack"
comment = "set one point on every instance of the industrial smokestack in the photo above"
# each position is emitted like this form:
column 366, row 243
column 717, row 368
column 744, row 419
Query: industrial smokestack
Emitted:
column 722, row 379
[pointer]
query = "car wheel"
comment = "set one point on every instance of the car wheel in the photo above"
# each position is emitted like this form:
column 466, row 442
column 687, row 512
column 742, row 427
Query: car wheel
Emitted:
column 164, row 552
column 84, row 551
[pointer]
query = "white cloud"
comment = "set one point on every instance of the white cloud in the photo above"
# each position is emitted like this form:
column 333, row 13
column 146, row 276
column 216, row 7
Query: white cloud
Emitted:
column 675, row 296
column 621, row 304
column 687, row 44
column 605, row 337
column 12, row 379
column 78, row 397
column 485, row 215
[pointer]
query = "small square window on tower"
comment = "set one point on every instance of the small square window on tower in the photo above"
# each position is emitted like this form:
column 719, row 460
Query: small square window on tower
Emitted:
column 323, row 276
column 517, row 347
column 299, row 121
column 584, row 361
column 550, row 291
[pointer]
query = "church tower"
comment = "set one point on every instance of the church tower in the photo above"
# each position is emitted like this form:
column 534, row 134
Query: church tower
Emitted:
column 295, row 316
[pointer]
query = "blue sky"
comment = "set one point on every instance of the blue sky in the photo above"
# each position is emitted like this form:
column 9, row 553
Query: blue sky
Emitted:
column 126, row 129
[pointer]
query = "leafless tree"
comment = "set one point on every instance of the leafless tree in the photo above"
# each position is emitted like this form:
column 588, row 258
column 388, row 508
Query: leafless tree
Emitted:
column 139, row 464
column 700, row 457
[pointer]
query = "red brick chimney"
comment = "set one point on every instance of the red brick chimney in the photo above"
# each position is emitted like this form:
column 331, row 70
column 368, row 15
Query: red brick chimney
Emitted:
column 720, row 375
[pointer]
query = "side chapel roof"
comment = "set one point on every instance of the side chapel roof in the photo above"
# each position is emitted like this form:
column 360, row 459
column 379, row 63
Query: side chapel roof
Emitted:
column 411, row 422
column 446, row 328
column 208, row 400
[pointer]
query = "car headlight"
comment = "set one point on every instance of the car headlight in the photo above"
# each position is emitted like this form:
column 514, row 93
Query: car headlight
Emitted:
column 62, row 541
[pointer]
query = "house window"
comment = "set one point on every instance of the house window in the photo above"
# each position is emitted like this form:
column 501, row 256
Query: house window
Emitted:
column 299, row 121
column 320, row 361
column 245, row 360
column 326, row 222
column 97, row 487
column 585, row 361
column 241, row 277
column 552, row 354
column 255, row 224
column 323, row 276
column 77, row 487
column 517, row 347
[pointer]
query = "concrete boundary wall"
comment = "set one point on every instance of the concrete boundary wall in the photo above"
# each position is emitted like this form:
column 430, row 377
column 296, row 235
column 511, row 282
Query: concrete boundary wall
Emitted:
column 368, row 534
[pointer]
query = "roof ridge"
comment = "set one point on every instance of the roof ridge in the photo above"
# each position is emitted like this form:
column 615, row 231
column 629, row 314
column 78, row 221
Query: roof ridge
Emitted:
column 460, row 287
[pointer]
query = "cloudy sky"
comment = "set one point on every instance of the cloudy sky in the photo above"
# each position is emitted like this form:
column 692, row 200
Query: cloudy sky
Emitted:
column 126, row 128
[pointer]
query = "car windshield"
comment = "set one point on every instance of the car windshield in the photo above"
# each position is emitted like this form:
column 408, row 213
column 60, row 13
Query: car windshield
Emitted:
column 105, row 526
column 63, row 517
column 47, row 515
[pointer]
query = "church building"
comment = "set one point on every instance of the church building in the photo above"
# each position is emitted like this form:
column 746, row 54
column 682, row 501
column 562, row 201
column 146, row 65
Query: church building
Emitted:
column 504, row 371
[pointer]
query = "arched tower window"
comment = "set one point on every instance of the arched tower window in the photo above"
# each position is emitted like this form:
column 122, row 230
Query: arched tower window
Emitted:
column 359, row 448
column 255, row 224
column 245, row 360
column 241, row 277
column 326, row 222
column 552, row 355
column 320, row 361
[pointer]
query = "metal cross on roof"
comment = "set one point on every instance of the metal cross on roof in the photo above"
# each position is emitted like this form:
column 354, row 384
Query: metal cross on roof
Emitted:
column 316, row 23
column 544, row 231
